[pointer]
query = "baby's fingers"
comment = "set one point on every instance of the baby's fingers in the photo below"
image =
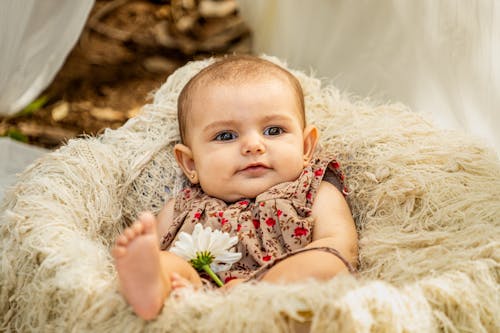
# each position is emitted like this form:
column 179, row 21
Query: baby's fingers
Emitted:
column 179, row 282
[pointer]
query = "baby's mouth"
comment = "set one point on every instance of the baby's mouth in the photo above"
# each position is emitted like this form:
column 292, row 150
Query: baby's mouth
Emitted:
column 255, row 169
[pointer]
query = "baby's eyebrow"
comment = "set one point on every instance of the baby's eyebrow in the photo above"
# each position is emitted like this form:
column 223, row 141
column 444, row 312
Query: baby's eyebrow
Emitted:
column 219, row 124
column 276, row 117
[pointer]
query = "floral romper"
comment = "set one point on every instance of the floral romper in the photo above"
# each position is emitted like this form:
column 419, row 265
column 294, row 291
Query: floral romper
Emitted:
column 270, row 227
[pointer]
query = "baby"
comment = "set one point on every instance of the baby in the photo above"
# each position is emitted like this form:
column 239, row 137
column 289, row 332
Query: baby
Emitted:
column 255, row 172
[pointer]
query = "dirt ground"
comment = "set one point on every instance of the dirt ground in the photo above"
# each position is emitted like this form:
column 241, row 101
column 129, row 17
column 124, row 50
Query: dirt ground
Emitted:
column 126, row 50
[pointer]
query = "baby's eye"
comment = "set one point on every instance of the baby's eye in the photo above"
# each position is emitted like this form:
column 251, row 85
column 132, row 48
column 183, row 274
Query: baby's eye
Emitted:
column 273, row 130
column 225, row 136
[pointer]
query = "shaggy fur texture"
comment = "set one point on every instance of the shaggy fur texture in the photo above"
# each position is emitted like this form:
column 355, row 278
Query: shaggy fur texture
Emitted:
column 426, row 203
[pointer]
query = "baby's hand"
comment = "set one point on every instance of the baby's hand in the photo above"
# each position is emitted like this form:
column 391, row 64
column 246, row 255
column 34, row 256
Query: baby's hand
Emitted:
column 231, row 284
column 179, row 282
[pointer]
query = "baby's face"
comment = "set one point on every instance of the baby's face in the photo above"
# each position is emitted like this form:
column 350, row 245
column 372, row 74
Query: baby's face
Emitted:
column 246, row 138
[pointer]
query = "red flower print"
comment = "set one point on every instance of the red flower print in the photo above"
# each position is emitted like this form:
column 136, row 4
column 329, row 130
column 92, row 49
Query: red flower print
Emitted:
column 262, row 203
column 309, row 195
column 335, row 165
column 239, row 227
column 318, row 172
column 300, row 231
column 229, row 278
column 224, row 221
column 221, row 213
column 266, row 258
column 279, row 212
column 256, row 224
column 197, row 215
column 270, row 221
column 243, row 203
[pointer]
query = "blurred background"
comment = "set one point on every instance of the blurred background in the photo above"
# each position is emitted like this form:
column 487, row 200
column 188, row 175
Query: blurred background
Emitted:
column 71, row 68
column 90, row 65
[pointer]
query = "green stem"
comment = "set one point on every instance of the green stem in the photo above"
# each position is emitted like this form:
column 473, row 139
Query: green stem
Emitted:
column 214, row 277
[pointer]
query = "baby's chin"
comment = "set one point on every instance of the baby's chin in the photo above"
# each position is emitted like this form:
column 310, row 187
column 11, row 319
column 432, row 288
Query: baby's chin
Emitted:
column 235, row 197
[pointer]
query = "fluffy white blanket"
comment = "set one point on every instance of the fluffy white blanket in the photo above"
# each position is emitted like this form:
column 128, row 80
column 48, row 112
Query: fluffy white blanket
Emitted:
column 426, row 203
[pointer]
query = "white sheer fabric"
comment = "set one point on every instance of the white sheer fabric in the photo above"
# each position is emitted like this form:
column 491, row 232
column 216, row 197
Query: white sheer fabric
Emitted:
column 441, row 57
column 35, row 38
column 15, row 156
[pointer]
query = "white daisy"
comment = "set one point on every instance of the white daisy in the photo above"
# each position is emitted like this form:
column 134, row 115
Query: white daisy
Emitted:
column 207, row 250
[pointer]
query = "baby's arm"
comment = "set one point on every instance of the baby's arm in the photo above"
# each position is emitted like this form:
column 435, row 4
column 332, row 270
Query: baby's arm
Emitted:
column 183, row 275
column 334, row 227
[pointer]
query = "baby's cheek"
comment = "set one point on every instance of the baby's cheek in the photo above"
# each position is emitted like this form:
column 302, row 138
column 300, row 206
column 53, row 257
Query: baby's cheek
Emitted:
column 293, row 169
column 213, row 185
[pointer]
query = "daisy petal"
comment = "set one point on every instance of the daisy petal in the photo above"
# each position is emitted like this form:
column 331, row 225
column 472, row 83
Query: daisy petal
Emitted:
column 216, row 242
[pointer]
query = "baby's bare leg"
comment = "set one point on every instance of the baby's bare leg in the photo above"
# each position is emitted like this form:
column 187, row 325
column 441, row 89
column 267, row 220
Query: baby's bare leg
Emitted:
column 144, row 270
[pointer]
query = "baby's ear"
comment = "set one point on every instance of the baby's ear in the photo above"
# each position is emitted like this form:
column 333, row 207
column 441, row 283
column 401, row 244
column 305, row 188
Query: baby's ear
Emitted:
column 310, row 142
column 184, row 157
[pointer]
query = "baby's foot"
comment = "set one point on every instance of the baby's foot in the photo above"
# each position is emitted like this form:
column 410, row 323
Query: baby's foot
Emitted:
column 137, row 257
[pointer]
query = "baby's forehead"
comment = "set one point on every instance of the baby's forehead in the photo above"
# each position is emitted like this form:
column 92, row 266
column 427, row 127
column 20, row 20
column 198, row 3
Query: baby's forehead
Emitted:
column 243, row 77
column 211, row 84
column 222, row 91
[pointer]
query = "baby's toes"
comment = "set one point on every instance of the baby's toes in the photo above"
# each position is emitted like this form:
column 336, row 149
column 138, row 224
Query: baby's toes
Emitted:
column 129, row 233
column 118, row 251
column 148, row 222
column 137, row 228
column 121, row 240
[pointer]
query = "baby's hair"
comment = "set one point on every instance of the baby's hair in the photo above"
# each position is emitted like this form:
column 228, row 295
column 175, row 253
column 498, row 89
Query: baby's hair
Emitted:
column 234, row 69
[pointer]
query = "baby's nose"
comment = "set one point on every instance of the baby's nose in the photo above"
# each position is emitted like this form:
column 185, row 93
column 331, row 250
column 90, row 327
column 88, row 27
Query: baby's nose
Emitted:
column 253, row 145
